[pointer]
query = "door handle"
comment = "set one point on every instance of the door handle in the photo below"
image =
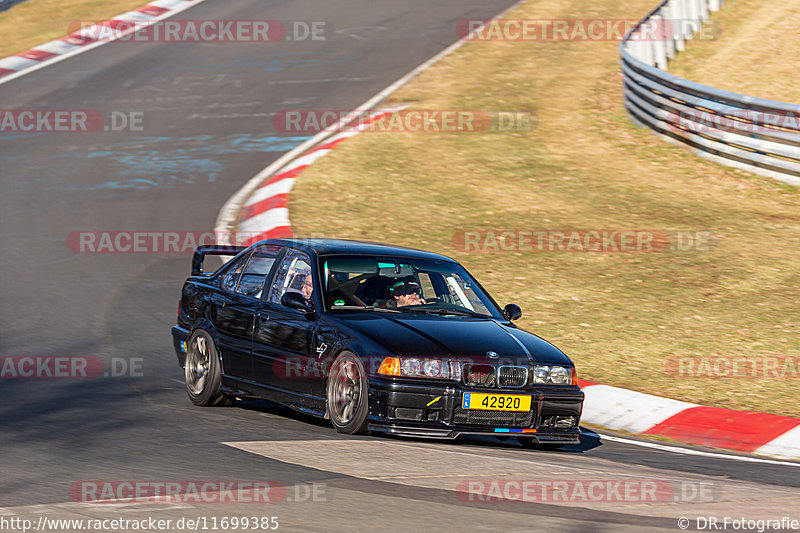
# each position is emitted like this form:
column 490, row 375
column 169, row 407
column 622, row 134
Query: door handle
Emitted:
column 262, row 315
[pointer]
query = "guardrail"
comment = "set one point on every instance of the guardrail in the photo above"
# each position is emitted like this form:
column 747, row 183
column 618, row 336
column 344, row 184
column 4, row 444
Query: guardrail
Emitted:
column 746, row 132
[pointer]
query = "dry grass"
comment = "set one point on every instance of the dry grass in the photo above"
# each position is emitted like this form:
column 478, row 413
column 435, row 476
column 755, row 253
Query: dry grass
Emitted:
column 756, row 52
column 620, row 316
column 37, row 21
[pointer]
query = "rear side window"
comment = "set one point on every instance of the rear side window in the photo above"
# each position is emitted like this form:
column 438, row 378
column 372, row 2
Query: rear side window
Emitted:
column 232, row 277
column 255, row 273
column 294, row 275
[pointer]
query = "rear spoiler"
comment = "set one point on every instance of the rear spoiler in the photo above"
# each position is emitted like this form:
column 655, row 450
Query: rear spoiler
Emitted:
column 201, row 252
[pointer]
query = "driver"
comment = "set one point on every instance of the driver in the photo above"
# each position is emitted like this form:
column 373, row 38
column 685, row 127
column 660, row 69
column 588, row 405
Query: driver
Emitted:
column 405, row 293
column 302, row 283
column 308, row 287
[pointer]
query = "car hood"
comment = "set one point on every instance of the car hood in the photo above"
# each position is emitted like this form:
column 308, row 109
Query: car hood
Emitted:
column 452, row 336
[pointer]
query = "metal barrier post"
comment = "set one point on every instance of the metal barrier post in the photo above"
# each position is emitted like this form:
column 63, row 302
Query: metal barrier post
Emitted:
column 657, row 36
column 702, row 10
column 692, row 19
column 679, row 16
column 647, row 45
column 670, row 35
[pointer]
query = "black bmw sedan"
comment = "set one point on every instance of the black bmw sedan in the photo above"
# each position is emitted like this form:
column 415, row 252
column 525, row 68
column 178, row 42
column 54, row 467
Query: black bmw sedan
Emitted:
column 373, row 337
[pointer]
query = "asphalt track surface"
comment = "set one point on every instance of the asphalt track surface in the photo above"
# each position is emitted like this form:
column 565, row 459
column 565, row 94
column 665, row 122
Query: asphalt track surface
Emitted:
column 206, row 130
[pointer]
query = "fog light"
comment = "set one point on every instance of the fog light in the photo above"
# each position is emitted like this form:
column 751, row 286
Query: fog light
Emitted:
column 408, row 414
column 565, row 421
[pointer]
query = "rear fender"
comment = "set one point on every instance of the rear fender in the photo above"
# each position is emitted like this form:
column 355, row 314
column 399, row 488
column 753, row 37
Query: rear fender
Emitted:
column 206, row 325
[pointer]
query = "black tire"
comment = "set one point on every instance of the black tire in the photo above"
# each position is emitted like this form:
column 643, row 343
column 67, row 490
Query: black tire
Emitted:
column 544, row 446
column 202, row 371
column 348, row 394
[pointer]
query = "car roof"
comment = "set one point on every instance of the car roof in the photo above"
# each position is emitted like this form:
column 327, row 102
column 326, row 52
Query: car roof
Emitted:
column 345, row 246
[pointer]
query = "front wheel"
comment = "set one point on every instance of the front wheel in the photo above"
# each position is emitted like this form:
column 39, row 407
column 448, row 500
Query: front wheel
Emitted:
column 348, row 394
column 202, row 371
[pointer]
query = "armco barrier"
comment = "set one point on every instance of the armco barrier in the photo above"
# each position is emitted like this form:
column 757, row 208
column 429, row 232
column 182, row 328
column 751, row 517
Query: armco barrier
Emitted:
column 746, row 132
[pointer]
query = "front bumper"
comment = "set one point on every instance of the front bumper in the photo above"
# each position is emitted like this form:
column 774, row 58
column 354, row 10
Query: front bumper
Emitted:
column 435, row 411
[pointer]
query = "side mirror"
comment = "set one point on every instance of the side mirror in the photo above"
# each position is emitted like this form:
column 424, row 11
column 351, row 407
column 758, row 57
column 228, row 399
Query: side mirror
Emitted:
column 512, row 311
column 295, row 300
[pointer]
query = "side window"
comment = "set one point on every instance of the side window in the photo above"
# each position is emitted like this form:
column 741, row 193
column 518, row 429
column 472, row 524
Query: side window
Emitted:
column 428, row 293
column 255, row 273
column 293, row 275
column 463, row 295
column 232, row 277
column 441, row 288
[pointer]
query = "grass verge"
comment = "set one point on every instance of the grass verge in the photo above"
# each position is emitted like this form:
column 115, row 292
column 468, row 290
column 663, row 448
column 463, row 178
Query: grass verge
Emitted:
column 35, row 22
column 621, row 316
column 755, row 54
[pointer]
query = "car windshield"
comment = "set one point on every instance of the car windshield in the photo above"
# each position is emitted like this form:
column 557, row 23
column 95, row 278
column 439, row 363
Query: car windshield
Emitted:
column 400, row 284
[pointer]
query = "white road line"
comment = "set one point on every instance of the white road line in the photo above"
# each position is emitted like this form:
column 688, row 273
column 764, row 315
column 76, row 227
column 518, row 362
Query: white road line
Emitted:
column 42, row 64
column 687, row 451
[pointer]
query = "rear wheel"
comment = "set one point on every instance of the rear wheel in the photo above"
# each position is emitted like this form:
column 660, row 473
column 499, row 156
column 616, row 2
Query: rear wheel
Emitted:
column 202, row 372
column 348, row 394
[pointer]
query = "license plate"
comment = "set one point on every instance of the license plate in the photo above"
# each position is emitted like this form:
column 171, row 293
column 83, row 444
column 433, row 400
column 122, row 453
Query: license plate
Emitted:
column 496, row 402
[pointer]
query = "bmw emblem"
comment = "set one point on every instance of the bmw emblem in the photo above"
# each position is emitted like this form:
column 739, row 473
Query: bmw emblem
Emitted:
column 492, row 355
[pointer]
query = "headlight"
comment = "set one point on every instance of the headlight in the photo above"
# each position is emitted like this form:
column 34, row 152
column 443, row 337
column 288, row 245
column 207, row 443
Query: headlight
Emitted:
column 552, row 375
column 432, row 368
column 410, row 367
column 559, row 375
column 455, row 370
column 416, row 367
